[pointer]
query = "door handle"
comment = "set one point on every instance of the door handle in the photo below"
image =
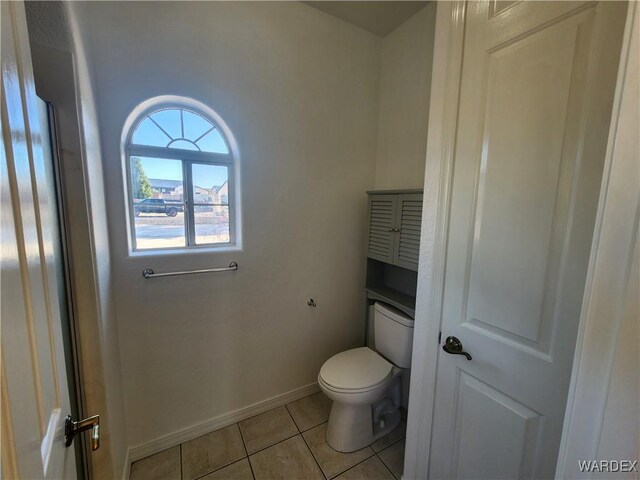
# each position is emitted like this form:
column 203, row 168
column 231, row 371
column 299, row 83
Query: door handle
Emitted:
column 71, row 429
column 453, row 346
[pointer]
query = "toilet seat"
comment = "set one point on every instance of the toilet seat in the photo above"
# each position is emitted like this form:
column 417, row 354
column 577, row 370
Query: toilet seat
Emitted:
column 357, row 370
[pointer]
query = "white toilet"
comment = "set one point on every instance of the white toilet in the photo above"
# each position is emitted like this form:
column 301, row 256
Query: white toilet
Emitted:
column 366, row 386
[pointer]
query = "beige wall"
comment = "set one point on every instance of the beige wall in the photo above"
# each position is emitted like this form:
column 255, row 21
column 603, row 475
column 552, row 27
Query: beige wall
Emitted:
column 298, row 90
column 405, row 84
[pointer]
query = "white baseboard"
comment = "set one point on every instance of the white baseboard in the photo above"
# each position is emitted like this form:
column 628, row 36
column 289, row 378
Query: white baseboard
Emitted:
column 172, row 439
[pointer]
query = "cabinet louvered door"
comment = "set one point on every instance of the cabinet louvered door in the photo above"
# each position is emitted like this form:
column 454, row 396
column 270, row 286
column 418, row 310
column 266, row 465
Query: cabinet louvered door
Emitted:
column 382, row 221
column 408, row 241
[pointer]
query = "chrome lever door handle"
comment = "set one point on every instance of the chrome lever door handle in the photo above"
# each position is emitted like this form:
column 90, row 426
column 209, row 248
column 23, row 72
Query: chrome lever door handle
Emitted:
column 71, row 429
column 453, row 346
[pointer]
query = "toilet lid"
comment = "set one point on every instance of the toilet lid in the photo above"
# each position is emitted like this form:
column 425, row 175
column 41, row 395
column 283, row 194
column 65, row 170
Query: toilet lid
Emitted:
column 355, row 369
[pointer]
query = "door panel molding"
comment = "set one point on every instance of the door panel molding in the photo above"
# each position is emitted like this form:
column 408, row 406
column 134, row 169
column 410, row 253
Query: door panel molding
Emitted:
column 474, row 412
column 533, row 288
column 497, row 7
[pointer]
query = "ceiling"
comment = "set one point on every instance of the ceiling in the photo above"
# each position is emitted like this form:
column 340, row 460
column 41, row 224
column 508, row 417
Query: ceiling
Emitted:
column 379, row 18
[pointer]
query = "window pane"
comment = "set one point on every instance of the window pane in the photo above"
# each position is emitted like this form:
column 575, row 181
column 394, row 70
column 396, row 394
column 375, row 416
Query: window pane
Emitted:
column 211, row 224
column 194, row 125
column 170, row 121
column 148, row 133
column 210, row 184
column 183, row 144
column 213, row 142
column 211, row 199
column 158, row 202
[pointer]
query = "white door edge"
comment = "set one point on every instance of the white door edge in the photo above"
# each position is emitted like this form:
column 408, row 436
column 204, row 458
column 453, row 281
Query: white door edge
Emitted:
column 606, row 285
column 439, row 160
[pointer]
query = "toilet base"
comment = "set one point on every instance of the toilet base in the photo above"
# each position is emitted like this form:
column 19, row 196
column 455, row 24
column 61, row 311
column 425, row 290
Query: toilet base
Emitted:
column 351, row 427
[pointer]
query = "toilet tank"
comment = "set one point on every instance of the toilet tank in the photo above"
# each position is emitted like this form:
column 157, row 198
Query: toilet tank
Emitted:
column 393, row 334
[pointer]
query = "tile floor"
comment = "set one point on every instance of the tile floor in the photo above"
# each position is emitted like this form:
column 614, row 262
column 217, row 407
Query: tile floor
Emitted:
column 284, row 443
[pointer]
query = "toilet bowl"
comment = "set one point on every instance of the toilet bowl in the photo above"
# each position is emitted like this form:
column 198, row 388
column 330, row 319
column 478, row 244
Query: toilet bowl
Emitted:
column 365, row 386
column 357, row 380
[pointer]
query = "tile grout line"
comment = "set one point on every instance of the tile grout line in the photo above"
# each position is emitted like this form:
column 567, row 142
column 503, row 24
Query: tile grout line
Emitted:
column 373, row 453
column 246, row 451
column 309, row 428
column 314, row 456
column 294, row 420
column 244, row 442
column 181, row 473
column 251, row 468
column 269, row 411
column 385, row 466
column 227, row 464
column 363, row 460
column 388, row 446
column 366, row 460
column 220, row 468
column 385, row 463
column 273, row 444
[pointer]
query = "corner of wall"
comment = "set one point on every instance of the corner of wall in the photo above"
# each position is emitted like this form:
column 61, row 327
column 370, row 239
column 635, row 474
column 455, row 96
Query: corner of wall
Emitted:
column 99, row 344
column 405, row 83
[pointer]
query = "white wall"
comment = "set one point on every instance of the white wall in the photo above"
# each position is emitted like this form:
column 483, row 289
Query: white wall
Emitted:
column 620, row 435
column 405, row 86
column 299, row 91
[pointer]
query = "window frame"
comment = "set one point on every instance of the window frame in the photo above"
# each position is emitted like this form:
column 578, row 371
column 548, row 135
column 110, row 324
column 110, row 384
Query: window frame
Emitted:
column 188, row 158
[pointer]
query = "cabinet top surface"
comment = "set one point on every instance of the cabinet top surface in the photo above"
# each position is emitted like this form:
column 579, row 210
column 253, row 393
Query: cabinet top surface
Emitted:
column 394, row 192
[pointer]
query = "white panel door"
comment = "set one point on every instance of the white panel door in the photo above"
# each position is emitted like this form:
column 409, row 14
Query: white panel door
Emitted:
column 534, row 109
column 35, row 395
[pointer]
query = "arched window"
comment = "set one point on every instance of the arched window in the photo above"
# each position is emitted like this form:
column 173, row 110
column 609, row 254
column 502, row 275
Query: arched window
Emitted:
column 181, row 180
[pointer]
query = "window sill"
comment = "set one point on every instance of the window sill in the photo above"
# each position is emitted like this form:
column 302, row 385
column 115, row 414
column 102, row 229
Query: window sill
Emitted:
column 166, row 252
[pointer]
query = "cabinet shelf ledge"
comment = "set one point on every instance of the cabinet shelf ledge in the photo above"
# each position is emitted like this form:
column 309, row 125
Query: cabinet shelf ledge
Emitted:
column 403, row 302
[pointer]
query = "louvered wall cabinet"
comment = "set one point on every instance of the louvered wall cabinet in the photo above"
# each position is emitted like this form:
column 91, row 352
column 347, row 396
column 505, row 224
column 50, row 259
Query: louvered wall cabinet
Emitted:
column 393, row 246
column 394, row 227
